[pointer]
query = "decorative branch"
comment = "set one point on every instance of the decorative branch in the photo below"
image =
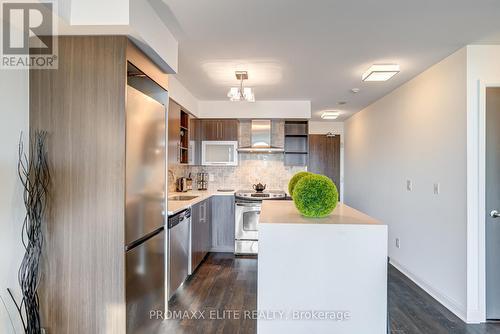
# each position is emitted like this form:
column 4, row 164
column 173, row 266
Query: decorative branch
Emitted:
column 35, row 178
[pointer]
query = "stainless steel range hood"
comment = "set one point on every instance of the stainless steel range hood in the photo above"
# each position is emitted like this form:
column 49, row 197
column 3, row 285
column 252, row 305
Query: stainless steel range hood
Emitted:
column 261, row 139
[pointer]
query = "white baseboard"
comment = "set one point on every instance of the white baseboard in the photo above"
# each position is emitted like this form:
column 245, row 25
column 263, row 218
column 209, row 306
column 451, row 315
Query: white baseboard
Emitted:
column 475, row 317
column 223, row 249
column 449, row 303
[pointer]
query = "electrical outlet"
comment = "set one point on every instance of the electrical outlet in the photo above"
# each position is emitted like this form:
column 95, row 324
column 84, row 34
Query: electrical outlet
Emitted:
column 211, row 177
column 437, row 188
column 409, row 185
column 398, row 244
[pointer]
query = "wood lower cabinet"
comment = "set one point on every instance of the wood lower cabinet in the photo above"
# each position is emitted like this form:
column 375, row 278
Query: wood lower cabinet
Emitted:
column 324, row 156
column 223, row 223
column 201, row 237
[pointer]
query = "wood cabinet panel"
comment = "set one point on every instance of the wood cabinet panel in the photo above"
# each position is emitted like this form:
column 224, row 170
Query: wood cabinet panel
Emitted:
column 324, row 156
column 82, row 106
column 223, row 223
column 174, row 123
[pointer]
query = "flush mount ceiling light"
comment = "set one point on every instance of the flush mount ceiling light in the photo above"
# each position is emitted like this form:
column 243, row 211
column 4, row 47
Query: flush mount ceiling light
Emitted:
column 380, row 72
column 330, row 114
column 240, row 93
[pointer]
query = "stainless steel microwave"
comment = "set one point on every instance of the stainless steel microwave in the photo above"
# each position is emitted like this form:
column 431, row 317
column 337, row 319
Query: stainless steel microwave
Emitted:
column 219, row 153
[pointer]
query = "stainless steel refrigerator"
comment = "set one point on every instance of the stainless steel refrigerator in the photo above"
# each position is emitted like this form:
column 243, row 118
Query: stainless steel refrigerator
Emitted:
column 145, row 210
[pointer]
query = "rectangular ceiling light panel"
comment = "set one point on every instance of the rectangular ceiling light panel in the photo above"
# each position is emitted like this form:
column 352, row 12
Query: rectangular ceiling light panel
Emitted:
column 380, row 72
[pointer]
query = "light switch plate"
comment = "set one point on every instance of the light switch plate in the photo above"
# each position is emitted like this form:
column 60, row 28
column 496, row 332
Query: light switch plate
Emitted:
column 409, row 185
column 437, row 188
column 398, row 243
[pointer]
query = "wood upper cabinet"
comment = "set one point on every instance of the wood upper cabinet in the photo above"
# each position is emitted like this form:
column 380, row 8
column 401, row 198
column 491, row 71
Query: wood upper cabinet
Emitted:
column 174, row 123
column 219, row 129
column 229, row 129
column 210, row 129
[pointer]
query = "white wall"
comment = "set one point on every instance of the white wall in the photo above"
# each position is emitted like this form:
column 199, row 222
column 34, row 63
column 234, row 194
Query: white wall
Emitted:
column 14, row 115
column 258, row 109
column 152, row 36
column 182, row 96
column 323, row 127
column 483, row 69
column 98, row 12
column 135, row 18
column 417, row 132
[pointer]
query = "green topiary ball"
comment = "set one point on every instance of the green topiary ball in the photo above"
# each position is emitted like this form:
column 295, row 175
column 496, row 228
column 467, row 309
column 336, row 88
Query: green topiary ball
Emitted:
column 315, row 196
column 295, row 179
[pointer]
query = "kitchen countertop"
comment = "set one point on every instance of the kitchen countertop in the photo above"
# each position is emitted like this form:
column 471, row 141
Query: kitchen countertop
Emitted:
column 285, row 212
column 177, row 206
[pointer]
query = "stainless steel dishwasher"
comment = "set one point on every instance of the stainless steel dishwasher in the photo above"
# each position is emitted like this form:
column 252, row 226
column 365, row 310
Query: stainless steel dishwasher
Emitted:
column 179, row 226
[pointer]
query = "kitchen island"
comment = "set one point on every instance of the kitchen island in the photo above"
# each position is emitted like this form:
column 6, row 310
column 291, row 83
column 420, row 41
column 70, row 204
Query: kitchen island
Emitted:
column 326, row 275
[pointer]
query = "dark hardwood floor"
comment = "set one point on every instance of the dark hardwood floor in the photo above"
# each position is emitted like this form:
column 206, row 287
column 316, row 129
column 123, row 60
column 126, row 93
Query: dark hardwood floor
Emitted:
column 225, row 282
column 221, row 282
column 413, row 311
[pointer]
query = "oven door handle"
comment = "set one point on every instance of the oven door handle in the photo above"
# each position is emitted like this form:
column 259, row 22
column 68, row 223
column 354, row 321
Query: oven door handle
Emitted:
column 248, row 206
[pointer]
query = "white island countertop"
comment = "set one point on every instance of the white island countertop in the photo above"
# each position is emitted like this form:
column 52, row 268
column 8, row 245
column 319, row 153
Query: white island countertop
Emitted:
column 285, row 212
column 326, row 275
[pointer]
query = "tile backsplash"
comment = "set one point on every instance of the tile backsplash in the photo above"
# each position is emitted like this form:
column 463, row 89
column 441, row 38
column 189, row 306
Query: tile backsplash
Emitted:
column 268, row 169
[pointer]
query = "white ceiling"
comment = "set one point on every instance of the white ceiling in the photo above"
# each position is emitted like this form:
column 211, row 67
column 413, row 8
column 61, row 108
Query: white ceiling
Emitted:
column 317, row 50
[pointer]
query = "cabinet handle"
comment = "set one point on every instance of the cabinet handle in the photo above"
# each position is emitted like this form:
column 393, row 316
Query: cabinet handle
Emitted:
column 204, row 210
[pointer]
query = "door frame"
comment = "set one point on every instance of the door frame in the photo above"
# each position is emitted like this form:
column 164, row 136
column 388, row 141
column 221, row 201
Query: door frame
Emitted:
column 476, row 204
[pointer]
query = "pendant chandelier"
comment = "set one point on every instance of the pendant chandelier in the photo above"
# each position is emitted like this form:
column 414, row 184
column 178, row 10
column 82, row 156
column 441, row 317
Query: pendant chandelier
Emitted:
column 241, row 93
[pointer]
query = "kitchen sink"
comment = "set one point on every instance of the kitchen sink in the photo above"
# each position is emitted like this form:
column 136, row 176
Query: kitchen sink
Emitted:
column 182, row 198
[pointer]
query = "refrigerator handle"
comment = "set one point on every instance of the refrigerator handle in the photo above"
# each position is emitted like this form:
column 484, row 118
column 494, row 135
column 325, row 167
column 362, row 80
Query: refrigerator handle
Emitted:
column 142, row 240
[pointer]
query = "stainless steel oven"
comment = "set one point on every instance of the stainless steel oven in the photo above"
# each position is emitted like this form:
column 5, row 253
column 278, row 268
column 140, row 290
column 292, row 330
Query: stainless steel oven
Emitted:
column 246, row 219
column 247, row 213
